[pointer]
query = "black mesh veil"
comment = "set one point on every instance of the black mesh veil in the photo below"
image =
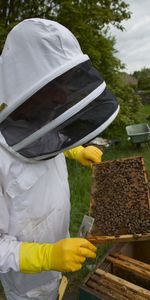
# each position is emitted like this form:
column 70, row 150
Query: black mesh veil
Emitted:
column 50, row 102
column 78, row 127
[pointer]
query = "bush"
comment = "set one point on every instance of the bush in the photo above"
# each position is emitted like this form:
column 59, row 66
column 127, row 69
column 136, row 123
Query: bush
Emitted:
column 130, row 108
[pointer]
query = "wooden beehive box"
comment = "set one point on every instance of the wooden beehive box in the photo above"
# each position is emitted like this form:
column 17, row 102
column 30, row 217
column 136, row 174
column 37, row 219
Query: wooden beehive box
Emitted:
column 120, row 201
column 124, row 273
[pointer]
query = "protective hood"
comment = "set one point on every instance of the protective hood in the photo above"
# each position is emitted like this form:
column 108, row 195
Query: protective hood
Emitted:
column 52, row 98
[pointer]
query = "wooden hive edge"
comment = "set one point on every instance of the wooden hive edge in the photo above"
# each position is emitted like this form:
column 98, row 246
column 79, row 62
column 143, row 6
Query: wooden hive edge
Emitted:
column 121, row 238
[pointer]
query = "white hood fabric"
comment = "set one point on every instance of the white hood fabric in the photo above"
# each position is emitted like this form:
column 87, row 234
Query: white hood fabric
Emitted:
column 36, row 51
column 42, row 67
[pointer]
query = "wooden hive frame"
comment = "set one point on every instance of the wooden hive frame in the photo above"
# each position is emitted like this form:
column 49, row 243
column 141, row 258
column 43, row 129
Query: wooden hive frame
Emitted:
column 105, row 282
column 115, row 287
column 96, row 236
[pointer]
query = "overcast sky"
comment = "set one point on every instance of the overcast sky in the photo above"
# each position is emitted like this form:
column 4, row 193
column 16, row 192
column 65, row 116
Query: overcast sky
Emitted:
column 133, row 44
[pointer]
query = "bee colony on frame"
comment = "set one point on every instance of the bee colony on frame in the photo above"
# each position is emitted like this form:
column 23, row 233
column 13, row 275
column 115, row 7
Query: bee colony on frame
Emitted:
column 120, row 201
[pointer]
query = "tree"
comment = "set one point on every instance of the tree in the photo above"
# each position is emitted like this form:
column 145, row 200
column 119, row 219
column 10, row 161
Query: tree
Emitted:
column 89, row 20
column 131, row 108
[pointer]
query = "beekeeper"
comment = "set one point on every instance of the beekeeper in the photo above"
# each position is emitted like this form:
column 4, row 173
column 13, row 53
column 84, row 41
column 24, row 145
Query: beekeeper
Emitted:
column 51, row 100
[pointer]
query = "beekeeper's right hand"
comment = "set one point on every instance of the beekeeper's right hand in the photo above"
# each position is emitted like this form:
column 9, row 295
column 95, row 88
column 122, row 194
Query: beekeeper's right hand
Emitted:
column 66, row 255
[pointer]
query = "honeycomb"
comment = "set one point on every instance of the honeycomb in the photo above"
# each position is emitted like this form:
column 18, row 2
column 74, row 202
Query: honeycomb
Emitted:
column 120, row 197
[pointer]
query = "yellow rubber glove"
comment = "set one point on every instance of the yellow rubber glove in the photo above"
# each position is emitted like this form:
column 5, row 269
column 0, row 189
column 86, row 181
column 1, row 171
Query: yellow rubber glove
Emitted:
column 85, row 155
column 66, row 255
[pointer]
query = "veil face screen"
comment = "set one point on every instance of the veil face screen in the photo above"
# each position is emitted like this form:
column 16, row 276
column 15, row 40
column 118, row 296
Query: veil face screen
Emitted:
column 50, row 101
column 86, row 121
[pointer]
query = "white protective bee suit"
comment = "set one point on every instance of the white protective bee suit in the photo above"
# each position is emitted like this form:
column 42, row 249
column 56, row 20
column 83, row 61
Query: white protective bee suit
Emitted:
column 34, row 207
column 42, row 59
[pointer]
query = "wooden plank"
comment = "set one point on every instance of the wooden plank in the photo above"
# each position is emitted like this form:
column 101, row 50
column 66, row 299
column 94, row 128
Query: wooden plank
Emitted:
column 149, row 198
column 62, row 287
column 131, row 260
column 133, row 287
column 129, row 266
column 109, row 292
column 89, row 290
column 146, row 180
column 120, row 238
column 132, row 295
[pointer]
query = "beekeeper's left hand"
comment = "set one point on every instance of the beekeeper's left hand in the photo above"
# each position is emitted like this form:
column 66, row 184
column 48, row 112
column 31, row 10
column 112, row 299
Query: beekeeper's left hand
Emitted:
column 85, row 155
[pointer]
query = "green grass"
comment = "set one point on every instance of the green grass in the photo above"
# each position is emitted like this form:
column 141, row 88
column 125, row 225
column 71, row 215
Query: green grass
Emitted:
column 146, row 112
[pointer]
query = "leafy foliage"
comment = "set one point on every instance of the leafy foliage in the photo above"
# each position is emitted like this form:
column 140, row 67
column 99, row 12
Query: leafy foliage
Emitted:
column 143, row 77
column 89, row 21
column 131, row 108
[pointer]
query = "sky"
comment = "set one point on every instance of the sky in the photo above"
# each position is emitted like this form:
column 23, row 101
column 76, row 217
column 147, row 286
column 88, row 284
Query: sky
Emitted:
column 133, row 44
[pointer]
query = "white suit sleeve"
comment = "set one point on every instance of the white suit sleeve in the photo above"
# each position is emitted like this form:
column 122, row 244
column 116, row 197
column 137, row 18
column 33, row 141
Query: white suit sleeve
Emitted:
column 9, row 254
column 9, row 246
